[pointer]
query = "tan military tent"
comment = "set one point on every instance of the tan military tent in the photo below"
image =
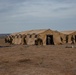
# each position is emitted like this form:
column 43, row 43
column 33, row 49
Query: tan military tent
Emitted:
column 36, row 37
column 71, row 35
column 62, row 37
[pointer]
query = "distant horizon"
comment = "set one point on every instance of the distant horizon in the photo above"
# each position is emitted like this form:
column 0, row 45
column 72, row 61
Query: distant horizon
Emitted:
column 37, row 29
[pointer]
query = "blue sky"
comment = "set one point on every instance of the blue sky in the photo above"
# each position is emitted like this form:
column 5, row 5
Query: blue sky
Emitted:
column 21, row 15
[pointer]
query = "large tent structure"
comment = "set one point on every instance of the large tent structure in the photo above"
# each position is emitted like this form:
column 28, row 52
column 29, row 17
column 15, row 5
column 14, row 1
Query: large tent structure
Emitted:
column 70, row 36
column 37, row 37
column 62, row 37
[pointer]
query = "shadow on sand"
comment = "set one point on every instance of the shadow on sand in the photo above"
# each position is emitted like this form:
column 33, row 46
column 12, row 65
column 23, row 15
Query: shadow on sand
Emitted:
column 4, row 46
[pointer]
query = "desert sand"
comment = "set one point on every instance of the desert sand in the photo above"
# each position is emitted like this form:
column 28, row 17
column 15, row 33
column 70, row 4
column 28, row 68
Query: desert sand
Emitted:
column 37, row 60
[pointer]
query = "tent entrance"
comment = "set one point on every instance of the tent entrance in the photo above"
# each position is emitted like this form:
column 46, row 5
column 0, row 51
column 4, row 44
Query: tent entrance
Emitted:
column 49, row 40
column 75, row 38
column 67, row 38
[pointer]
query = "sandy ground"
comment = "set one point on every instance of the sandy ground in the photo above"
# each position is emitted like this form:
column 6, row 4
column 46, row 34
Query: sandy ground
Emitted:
column 37, row 60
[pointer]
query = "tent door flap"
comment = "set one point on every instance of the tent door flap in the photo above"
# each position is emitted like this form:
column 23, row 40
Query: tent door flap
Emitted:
column 75, row 38
column 49, row 40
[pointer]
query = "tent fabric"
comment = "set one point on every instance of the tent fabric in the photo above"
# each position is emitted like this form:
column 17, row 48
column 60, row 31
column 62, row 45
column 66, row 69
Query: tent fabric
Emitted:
column 67, row 32
column 71, row 35
column 30, row 37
